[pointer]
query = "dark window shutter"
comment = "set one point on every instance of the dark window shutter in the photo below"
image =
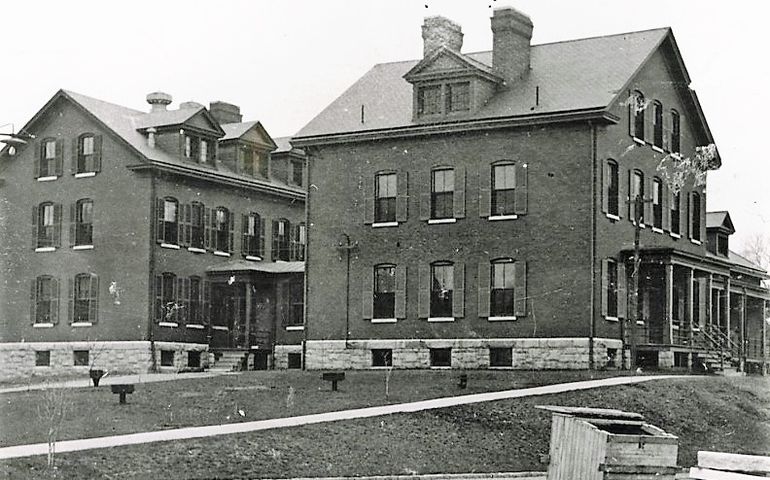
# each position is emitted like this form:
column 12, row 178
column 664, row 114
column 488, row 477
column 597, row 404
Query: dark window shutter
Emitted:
column 57, row 224
column 207, row 229
column 666, row 132
column 59, row 156
column 458, row 292
column 282, row 302
column 231, row 243
column 425, row 185
column 93, row 305
column 34, row 225
column 367, row 295
column 485, row 191
column 159, row 230
column 649, row 115
column 630, row 203
column 458, row 198
column 70, row 299
column 38, row 161
column 485, row 282
column 206, row 300
column 606, row 187
column 97, row 167
column 293, row 234
column 402, row 198
column 400, row 307
column 73, row 223
column 274, row 249
column 158, row 298
column 244, row 234
column 188, row 224
column 702, row 308
column 33, row 301
column 689, row 214
column 55, row 301
column 520, row 195
column 423, row 294
column 520, row 289
column 261, row 238
column 622, row 291
column 665, row 204
column 605, row 285
column 631, row 127
column 369, row 198
column 74, row 157
column 703, row 216
column 180, row 225
column 647, row 206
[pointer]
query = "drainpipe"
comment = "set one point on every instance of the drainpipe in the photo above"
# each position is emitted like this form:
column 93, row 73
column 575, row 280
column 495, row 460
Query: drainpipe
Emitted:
column 151, row 282
column 592, row 326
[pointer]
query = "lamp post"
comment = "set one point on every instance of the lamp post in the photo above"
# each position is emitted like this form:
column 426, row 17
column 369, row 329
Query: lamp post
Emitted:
column 345, row 246
column 14, row 140
column 638, row 203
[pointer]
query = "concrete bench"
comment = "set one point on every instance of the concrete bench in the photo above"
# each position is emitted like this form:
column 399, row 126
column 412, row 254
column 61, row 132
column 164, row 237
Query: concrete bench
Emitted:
column 333, row 377
column 122, row 390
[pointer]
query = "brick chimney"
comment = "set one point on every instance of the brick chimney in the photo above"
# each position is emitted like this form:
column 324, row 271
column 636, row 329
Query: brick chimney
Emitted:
column 158, row 101
column 511, row 37
column 225, row 112
column 438, row 32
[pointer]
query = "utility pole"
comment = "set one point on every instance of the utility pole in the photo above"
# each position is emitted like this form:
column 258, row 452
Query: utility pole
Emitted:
column 638, row 203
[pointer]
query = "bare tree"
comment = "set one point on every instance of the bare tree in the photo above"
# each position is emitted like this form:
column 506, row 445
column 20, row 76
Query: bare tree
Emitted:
column 757, row 249
column 51, row 412
column 388, row 373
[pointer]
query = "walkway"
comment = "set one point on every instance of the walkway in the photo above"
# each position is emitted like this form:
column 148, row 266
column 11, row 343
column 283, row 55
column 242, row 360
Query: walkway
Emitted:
column 112, row 379
column 230, row 428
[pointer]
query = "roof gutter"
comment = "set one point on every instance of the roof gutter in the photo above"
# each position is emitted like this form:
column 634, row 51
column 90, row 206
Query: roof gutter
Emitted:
column 598, row 114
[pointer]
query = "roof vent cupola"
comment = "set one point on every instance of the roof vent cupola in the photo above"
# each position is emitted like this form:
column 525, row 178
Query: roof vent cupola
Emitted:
column 438, row 32
column 158, row 101
column 511, row 43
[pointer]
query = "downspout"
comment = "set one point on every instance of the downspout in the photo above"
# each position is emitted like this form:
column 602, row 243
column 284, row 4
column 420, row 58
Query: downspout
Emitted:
column 592, row 326
column 308, row 156
column 151, row 280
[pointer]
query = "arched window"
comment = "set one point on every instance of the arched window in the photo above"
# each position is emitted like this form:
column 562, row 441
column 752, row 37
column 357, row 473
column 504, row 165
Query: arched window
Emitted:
column 612, row 186
column 636, row 190
column 85, row 296
column 281, row 240
column 657, row 124
column 88, row 154
column 385, row 193
column 657, row 203
column 638, row 108
column 384, row 291
column 503, row 189
column 298, row 241
column 696, row 214
column 165, row 297
column 45, row 300
column 675, row 126
column 82, row 222
column 502, row 288
column 168, row 220
column 612, row 288
column 197, row 228
column 441, row 289
column 47, row 226
column 50, row 161
column 222, row 229
column 442, row 193
column 676, row 212
column 253, row 236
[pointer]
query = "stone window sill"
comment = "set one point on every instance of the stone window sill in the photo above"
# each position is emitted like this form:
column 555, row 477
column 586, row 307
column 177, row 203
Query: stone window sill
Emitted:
column 45, row 249
column 384, row 224
column 253, row 258
column 168, row 324
column 612, row 217
column 169, row 245
column 640, row 322
column 196, row 250
column 675, row 235
column 440, row 368
column 42, row 325
column 507, row 367
column 502, row 319
column 81, row 324
column 498, row 218
column 195, row 326
column 85, row 174
column 221, row 254
column 639, row 141
column 220, row 327
column 657, row 230
column 47, row 179
column 384, row 320
column 441, row 319
column 437, row 221
column 657, row 148
column 83, row 247
column 611, row 319
column 696, row 242
column 295, row 328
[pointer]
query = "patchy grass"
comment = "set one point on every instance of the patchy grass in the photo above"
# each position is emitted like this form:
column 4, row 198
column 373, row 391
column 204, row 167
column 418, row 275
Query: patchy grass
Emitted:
column 713, row 413
column 246, row 397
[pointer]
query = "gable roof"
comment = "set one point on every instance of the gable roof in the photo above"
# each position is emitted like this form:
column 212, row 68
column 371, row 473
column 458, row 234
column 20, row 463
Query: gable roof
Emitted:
column 463, row 62
column 738, row 259
column 720, row 220
column 235, row 131
column 573, row 75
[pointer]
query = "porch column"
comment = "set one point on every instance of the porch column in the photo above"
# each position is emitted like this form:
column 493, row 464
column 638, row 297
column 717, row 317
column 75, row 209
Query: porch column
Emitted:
column 668, row 325
column 709, row 305
column 727, row 308
column 247, row 326
column 690, row 306
column 764, row 335
column 743, row 331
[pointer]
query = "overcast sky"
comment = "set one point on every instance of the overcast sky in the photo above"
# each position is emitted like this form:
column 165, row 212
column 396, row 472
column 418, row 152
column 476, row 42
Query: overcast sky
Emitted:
column 284, row 61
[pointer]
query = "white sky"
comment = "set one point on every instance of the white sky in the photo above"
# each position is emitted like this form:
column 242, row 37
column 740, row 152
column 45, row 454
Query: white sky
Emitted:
column 283, row 61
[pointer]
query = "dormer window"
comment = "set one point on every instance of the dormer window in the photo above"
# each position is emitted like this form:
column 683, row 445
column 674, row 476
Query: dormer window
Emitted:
column 722, row 245
column 198, row 149
column 458, row 97
column 429, row 100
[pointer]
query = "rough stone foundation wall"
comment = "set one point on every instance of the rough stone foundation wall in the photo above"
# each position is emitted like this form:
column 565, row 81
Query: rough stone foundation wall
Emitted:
column 281, row 355
column 18, row 359
column 528, row 353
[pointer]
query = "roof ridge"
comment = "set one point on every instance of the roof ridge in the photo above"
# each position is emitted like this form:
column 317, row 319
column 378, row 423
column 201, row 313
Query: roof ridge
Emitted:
column 602, row 36
column 72, row 93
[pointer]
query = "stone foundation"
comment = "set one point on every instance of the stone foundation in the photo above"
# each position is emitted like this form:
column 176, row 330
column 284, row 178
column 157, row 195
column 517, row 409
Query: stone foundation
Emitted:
column 527, row 353
column 281, row 355
column 18, row 359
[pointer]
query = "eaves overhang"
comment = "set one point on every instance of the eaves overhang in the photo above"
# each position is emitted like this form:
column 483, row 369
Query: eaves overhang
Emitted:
column 598, row 114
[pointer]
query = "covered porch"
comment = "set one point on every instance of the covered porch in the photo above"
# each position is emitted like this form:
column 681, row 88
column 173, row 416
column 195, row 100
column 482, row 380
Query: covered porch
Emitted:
column 252, row 303
column 699, row 313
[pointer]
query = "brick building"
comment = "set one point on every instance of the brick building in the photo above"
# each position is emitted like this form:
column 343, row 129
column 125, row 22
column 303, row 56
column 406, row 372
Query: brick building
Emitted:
column 471, row 211
column 130, row 232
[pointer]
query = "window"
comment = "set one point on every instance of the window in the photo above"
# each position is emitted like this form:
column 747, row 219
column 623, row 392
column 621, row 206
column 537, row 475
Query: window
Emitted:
column 296, row 303
column 613, row 184
column 675, row 140
column 88, row 154
column 657, row 125
column 221, row 234
column 44, row 300
column 167, row 212
column 294, row 360
column 197, row 228
column 637, row 190
column 80, row 358
column 165, row 298
column 281, row 240
column 458, row 97
column 382, row 357
column 82, row 228
column 47, row 225
column 612, row 357
column 85, row 297
column 504, row 189
column 298, row 243
column 385, row 198
column 440, row 357
column 696, row 220
column 442, row 194
column 675, row 212
column 385, row 291
column 261, row 163
column 677, row 314
column 638, row 109
column 252, row 235
column 248, row 161
column 503, row 280
column 166, row 358
column 442, row 285
column 194, row 359
column 192, row 147
column 695, row 304
column 500, row 357
column 429, row 100
column 204, row 151
column 722, row 245
column 195, row 313
column 657, row 203
column 612, row 288
column 43, row 358
column 297, row 173
column 49, row 164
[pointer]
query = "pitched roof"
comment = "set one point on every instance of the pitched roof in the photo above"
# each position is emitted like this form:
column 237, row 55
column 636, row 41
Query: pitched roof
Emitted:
column 571, row 75
column 164, row 118
column 719, row 220
column 236, row 130
column 744, row 262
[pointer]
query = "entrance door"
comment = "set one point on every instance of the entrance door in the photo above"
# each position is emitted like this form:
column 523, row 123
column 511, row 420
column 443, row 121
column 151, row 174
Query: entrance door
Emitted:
column 227, row 316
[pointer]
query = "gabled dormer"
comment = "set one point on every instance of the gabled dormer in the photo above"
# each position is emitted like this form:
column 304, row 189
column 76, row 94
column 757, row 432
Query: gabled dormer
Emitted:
column 189, row 133
column 719, row 227
column 245, row 148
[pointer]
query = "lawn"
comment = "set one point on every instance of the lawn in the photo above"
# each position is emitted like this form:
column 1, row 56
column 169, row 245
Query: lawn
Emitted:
column 714, row 413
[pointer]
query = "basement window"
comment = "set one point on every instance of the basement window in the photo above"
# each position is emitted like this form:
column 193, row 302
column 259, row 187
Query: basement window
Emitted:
column 500, row 357
column 294, row 361
column 166, row 358
column 440, row 357
column 43, row 358
column 382, row 357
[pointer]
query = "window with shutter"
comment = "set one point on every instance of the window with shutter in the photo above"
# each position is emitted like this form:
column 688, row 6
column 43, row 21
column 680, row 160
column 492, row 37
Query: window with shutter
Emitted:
column 696, row 216
column 85, row 298
column 610, row 201
column 44, row 226
column 385, row 197
column 502, row 288
column 221, row 230
column 45, row 300
column 197, row 226
column 520, row 289
column 657, row 124
column 676, row 225
column 47, row 165
column 638, row 107
column 169, row 224
column 503, row 198
column 657, row 203
column 442, row 194
column 384, row 295
column 195, row 297
column 88, row 150
column 281, row 240
column 522, row 188
column 612, row 288
column 83, row 228
column 441, row 290
column 675, row 140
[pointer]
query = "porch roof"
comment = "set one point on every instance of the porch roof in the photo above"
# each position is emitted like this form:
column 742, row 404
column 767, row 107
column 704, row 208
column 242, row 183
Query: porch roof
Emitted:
column 265, row 267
